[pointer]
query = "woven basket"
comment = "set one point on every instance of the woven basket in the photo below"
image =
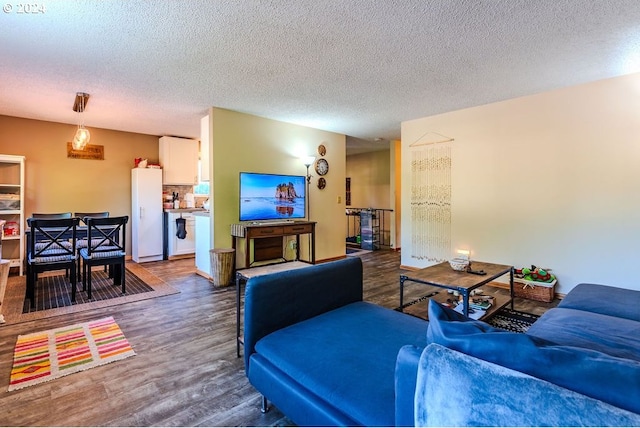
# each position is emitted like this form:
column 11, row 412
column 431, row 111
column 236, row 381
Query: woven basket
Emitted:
column 533, row 290
column 222, row 266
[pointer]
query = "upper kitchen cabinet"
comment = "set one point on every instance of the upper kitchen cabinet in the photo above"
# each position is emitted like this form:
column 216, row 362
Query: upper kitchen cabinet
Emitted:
column 204, row 149
column 179, row 160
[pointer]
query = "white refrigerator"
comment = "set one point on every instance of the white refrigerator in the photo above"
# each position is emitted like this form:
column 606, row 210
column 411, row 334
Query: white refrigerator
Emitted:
column 146, row 213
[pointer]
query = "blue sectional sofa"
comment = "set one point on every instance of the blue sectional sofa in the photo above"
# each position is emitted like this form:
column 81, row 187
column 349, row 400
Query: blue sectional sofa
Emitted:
column 325, row 357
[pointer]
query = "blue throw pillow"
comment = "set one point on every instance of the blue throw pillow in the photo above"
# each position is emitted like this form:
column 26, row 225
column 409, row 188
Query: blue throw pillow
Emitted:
column 613, row 380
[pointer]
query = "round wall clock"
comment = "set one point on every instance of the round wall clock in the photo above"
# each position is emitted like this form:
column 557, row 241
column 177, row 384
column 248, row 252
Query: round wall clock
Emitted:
column 322, row 183
column 322, row 150
column 322, row 166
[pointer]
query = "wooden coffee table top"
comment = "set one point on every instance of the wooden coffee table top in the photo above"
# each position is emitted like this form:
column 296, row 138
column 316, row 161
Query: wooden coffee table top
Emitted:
column 442, row 275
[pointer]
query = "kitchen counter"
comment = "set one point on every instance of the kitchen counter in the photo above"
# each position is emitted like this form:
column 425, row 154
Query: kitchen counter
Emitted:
column 183, row 210
column 203, row 244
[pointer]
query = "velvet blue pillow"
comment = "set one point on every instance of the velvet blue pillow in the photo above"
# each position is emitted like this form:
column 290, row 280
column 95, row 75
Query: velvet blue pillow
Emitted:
column 613, row 380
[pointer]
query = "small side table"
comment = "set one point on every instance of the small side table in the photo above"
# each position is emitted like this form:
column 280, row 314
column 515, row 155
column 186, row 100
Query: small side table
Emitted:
column 244, row 275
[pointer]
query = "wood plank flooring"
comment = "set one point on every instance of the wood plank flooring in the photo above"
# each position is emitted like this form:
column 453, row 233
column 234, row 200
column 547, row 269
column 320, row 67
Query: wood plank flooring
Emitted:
column 185, row 372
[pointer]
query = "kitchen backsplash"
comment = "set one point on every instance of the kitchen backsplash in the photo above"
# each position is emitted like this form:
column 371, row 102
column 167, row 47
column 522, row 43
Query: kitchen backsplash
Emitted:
column 181, row 191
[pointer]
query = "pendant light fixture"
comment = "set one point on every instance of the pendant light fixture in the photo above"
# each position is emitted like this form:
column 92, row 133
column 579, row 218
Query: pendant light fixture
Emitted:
column 83, row 136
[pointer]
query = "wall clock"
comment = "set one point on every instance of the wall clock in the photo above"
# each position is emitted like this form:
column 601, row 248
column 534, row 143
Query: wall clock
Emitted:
column 322, row 150
column 322, row 183
column 322, row 166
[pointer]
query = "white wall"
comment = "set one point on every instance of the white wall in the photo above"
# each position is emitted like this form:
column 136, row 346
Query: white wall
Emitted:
column 551, row 179
column 370, row 179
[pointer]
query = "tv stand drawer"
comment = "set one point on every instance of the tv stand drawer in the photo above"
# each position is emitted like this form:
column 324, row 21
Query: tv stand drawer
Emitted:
column 257, row 232
column 300, row 228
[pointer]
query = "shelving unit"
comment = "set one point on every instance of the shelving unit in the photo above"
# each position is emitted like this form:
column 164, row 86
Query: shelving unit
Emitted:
column 366, row 228
column 12, row 209
column 369, row 230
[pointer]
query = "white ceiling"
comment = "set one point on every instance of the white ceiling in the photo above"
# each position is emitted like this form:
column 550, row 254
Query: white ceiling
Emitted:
column 356, row 67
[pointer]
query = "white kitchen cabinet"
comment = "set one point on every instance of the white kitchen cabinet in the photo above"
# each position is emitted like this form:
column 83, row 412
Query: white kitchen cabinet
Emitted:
column 179, row 160
column 146, row 213
column 12, row 208
column 203, row 245
column 205, row 149
column 177, row 246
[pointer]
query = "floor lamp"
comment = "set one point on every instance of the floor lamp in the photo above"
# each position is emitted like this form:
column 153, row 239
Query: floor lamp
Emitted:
column 308, row 161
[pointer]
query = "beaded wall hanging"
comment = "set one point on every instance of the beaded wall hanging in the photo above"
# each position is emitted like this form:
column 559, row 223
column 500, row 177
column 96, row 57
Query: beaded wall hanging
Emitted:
column 431, row 201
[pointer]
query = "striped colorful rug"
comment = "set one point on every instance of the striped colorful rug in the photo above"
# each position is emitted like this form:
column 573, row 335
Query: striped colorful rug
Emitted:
column 46, row 355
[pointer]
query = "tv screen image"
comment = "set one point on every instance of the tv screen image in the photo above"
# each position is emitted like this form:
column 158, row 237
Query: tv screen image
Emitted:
column 271, row 196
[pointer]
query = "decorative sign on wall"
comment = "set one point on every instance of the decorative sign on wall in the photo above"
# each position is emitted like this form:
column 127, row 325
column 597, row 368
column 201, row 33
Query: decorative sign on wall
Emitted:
column 431, row 200
column 91, row 151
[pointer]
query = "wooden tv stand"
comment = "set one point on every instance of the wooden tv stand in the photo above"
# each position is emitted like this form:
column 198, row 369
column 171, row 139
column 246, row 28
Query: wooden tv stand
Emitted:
column 267, row 237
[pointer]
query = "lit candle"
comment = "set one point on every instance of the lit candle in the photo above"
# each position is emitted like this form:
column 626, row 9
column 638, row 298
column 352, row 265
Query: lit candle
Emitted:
column 464, row 254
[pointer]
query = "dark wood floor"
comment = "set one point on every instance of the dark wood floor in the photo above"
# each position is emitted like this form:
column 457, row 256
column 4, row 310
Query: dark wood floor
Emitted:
column 185, row 372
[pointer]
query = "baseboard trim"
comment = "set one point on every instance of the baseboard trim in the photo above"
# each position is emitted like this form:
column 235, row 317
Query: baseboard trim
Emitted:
column 181, row 256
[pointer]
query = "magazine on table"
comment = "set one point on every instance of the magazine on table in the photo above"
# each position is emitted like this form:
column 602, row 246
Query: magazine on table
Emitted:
column 473, row 313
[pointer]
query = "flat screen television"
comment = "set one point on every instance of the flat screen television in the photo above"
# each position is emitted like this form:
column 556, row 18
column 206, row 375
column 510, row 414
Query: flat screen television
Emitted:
column 272, row 196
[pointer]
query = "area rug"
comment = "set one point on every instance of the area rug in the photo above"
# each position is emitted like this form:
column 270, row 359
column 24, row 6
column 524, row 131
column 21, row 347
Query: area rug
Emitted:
column 54, row 291
column 504, row 318
column 13, row 306
column 511, row 320
column 50, row 354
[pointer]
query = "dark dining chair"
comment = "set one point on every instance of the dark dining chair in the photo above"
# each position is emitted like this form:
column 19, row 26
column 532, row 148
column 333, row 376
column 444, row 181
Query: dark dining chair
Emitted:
column 52, row 247
column 53, row 216
column 82, row 241
column 106, row 243
column 82, row 215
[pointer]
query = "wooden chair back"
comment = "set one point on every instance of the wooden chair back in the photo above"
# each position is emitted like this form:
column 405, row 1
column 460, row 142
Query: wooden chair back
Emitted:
column 106, row 234
column 83, row 215
column 51, row 215
column 52, row 239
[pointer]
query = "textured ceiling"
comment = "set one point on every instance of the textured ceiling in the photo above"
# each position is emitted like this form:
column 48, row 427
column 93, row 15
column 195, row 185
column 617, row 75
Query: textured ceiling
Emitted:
column 356, row 67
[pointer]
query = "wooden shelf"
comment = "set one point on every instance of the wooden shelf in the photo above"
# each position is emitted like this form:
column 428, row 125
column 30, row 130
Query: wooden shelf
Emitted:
column 12, row 182
column 268, row 239
column 420, row 309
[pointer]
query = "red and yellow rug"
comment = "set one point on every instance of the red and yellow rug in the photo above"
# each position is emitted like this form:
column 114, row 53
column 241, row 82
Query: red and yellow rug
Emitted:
column 46, row 355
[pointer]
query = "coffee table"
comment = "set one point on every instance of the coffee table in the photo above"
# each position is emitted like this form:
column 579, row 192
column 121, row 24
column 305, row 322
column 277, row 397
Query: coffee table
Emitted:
column 443, row 276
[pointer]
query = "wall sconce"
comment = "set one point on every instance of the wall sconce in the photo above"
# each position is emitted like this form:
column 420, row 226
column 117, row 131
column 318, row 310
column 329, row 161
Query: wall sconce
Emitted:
column 83, row 136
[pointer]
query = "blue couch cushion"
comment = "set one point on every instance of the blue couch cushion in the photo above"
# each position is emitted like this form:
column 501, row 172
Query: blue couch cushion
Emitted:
column 618, row 337
column 454, row 389
column 613, row 380
column 604, row 299
column 357, row 376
